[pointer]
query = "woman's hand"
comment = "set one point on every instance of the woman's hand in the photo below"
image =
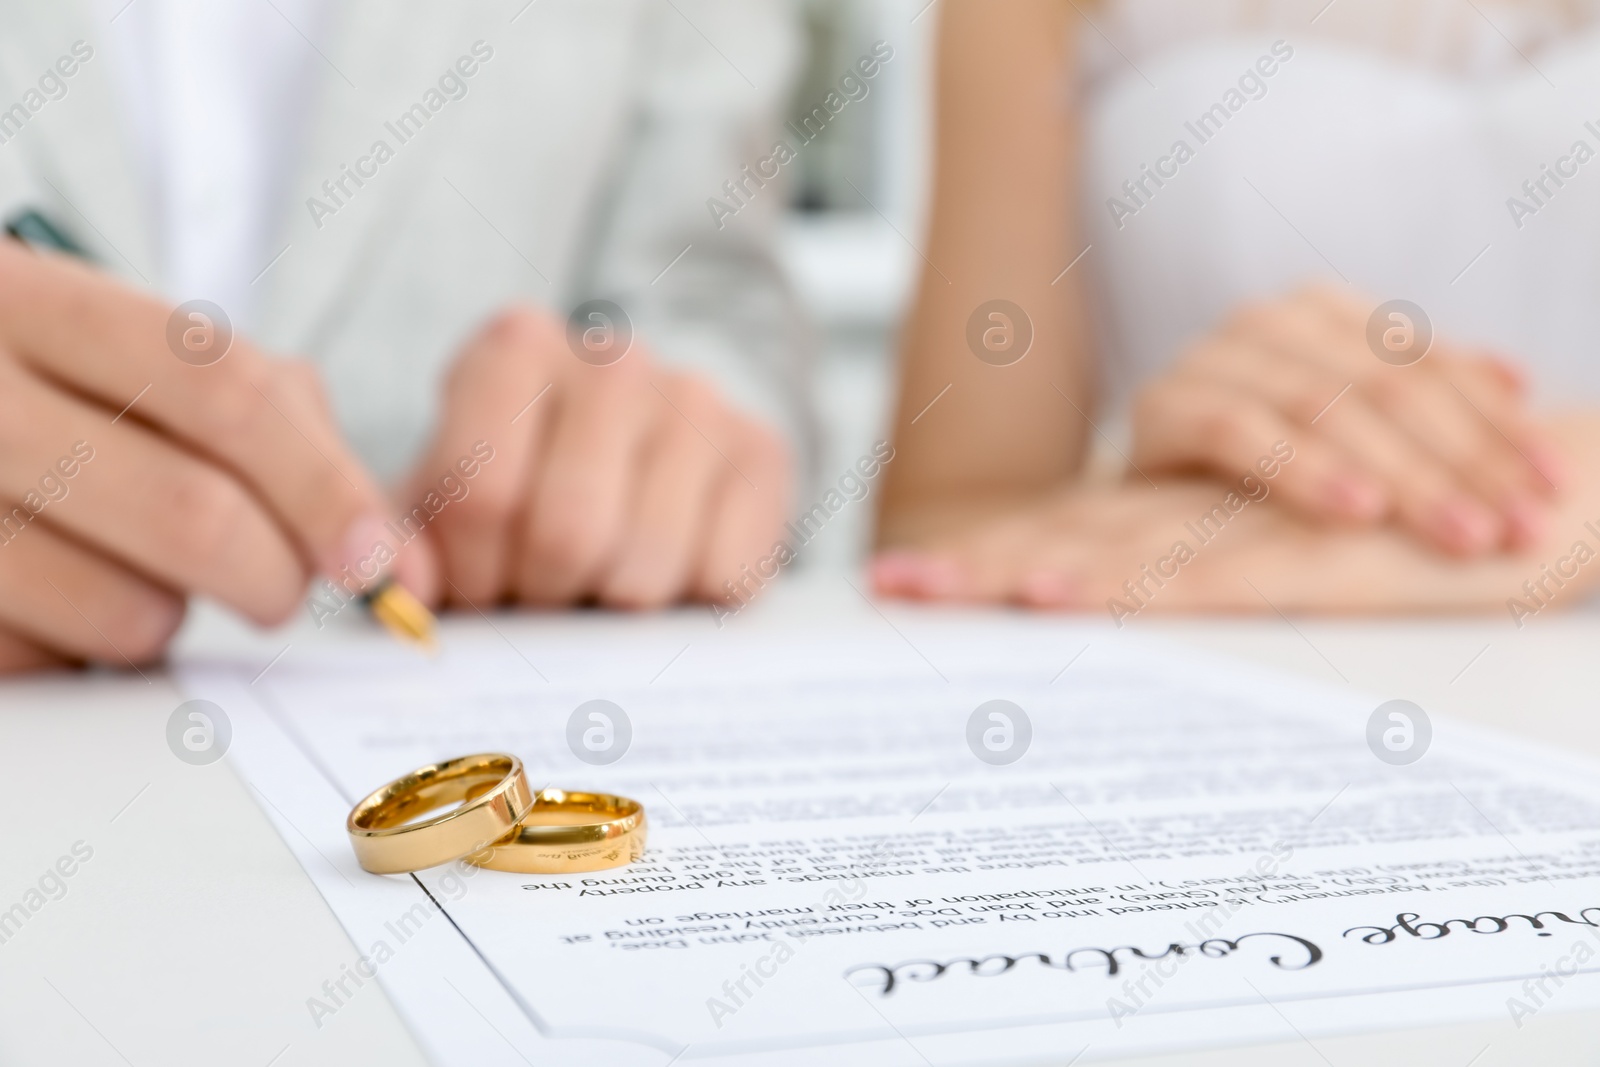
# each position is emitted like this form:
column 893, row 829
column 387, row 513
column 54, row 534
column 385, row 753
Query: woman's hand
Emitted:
column 622, row 483
column 1444, row 447
column 1205, row 546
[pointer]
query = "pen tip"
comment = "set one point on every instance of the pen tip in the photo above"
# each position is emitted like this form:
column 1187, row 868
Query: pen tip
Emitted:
column 403, row 615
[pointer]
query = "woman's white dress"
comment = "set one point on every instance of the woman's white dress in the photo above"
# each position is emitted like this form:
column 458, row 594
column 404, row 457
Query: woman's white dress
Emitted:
column 1389, row 148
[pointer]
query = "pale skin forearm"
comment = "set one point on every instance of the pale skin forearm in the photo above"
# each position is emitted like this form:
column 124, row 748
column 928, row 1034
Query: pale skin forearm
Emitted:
column 1003, row 226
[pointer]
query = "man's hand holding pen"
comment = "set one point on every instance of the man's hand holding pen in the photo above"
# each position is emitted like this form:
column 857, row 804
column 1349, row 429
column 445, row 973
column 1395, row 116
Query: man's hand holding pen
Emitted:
column 228, row 480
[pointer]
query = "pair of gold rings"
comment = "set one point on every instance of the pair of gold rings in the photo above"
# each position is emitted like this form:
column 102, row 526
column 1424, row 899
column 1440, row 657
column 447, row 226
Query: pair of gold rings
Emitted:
column 496, row 822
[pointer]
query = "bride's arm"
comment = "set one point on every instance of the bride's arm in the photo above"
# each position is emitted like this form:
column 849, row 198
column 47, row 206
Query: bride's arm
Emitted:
column 1003, row 227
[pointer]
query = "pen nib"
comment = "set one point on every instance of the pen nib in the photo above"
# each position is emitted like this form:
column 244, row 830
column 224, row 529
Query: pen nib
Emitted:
column 402, row 614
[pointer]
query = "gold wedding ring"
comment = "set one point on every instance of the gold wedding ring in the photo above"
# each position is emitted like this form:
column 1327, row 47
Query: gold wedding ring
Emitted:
column 566, row 833
column 390, row 837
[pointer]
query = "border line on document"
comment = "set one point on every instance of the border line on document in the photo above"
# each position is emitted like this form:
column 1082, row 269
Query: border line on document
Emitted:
column 275, row 712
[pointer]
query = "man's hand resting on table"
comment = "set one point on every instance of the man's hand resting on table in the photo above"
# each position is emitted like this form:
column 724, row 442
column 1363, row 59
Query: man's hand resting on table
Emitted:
column 623, row 484
column 1096, row 547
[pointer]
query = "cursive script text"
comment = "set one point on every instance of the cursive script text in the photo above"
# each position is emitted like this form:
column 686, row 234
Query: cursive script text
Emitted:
column 884, row 978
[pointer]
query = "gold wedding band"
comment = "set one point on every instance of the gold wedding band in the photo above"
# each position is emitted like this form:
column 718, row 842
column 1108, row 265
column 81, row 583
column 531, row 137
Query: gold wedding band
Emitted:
column 566, row 833
column 390, row 838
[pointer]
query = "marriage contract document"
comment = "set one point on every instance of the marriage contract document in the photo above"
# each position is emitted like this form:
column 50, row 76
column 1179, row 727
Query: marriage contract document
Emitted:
column 926, row 842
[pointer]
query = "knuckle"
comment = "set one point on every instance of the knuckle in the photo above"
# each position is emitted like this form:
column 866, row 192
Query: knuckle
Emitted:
column 695, row 397
column 1324, row 302
column 511, row 338
column 281, row 390
column 1323, row 293
column 1251, row 318
column 203, row 510
column 297, row 382
column 1300, row 326
column 231, row 401
column 1392, row 392
column 628, row 379
column 570, row 531
column 520, row 329
column 490, row 504
column 1307, row 400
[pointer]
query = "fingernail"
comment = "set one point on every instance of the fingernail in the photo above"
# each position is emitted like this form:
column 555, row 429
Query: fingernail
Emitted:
column 365, row 552
column 915, row 574
column 1356, row 498
column 1047, row 589
column 936, row 578
column 1462, row 524
column 1526, row 521
column 892, row 572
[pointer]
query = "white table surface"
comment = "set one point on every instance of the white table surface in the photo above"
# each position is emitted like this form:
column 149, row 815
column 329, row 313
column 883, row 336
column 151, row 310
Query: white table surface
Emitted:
column 193, row 937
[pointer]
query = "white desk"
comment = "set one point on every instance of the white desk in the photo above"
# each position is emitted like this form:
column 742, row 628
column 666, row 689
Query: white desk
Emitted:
column 193, row 937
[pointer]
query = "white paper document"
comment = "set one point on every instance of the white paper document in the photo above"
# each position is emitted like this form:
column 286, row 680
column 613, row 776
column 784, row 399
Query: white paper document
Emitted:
column 843, row 866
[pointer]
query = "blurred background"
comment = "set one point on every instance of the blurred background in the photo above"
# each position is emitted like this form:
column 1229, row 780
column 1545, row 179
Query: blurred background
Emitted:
column 857, row 199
